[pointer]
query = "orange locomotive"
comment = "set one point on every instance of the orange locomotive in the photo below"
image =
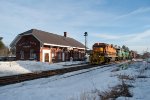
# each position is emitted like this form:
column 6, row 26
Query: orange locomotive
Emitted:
column 102, row 53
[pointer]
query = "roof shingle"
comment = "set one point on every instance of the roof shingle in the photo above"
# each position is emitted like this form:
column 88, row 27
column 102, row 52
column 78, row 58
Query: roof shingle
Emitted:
column 51, row 38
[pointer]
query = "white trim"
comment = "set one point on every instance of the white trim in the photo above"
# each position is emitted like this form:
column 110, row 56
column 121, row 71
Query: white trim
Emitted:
column 43, row 55
column 62, row 45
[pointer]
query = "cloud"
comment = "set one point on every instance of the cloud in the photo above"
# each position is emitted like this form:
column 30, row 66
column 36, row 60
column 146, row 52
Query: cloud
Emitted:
column 52, row 16
column 138, row 11
column 137, row 41
column 125, row 37
column 140, row 36
column 141, row 48
column 75, row 17
column 106, row 36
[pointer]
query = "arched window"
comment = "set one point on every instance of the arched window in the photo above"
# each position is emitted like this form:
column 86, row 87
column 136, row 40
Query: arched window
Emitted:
column 32, row 54
column 21, row 54
column 59, row 55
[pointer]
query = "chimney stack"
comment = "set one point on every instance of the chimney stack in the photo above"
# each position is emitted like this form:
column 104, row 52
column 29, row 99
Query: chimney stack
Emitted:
column 65, row 34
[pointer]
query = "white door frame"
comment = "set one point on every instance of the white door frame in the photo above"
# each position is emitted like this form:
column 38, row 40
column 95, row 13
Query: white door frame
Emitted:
column 43, row 55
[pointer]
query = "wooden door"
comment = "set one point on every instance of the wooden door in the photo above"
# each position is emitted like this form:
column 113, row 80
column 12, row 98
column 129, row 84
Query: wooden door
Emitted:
column 46, row 57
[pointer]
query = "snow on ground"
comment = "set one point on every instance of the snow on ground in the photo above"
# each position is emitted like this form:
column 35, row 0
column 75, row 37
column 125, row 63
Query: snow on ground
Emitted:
column 61, row 87
column 21, row 67
column 70, row 86
column 141, row 87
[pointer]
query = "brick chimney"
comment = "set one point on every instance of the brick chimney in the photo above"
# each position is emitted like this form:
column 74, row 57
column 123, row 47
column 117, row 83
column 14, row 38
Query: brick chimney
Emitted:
column 65, row 34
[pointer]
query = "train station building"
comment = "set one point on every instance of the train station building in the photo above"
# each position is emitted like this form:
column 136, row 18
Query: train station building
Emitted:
column 47, row 47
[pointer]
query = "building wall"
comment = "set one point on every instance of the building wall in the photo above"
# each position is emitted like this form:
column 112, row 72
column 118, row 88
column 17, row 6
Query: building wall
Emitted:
column 45, row 53
column 59, row 54
column 24, row 47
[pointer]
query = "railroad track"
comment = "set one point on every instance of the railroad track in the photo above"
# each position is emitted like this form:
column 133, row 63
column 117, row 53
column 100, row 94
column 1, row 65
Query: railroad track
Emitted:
column 90, row 69
column 6, row 80
column 80, row 72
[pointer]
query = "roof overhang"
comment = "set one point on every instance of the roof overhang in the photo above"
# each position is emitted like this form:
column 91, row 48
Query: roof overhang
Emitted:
column 62, row 46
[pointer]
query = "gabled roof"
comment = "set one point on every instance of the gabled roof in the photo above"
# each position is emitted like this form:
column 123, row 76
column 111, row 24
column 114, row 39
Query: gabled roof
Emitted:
column 47, row 38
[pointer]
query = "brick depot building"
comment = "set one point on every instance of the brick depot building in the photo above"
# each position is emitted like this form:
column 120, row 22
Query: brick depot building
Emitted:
column 47, row 47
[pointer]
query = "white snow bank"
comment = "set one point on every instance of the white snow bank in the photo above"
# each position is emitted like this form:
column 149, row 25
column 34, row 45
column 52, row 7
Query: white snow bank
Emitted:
column 137, row 59
column 21, row 67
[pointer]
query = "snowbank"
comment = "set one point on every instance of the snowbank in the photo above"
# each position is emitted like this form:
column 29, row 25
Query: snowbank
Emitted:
column 21, row 67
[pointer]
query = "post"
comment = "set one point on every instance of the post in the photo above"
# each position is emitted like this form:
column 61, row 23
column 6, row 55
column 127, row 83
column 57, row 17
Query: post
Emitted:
column 1, row 38
column 85, row 34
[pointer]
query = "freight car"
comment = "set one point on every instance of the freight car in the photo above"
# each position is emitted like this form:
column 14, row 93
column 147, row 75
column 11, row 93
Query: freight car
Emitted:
column 102, row 53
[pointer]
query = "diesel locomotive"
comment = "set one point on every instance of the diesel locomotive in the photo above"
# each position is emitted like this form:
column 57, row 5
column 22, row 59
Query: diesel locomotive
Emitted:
column 104, row 53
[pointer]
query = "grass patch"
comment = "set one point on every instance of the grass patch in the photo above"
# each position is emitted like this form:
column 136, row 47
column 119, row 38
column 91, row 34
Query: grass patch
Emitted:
column 115, row 92
column 116, row 69
column 120, row 90
column 126, row 77
column 142, row 76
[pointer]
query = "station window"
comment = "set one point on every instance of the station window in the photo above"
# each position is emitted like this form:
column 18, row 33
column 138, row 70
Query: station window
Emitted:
column 31, row 54
column 21, row 54
column 59, row 55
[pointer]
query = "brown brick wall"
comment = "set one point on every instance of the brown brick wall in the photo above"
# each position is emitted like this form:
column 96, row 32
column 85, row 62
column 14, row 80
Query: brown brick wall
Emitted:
column 25, row 44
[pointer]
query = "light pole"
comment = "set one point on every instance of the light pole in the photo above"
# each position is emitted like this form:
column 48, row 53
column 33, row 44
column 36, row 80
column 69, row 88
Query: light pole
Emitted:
column 1, row 38
column 85, row 34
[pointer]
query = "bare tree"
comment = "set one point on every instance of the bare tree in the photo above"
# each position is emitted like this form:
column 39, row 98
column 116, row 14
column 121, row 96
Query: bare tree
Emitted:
column 4, row 51
column 125, row 48
column 1, row 43
column 146, row 55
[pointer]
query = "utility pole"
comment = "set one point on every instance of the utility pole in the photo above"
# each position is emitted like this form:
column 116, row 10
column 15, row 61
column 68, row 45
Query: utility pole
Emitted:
column 85, row 34
column 1, row 38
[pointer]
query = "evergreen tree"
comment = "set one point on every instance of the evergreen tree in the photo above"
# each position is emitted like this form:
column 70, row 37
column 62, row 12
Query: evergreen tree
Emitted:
column 4, row 51
column 1, row 43
column 125, row 48
column 146, row 55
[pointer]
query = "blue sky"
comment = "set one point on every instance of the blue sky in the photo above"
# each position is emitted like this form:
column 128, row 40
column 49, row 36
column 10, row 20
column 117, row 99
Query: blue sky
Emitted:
column 119, row 22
